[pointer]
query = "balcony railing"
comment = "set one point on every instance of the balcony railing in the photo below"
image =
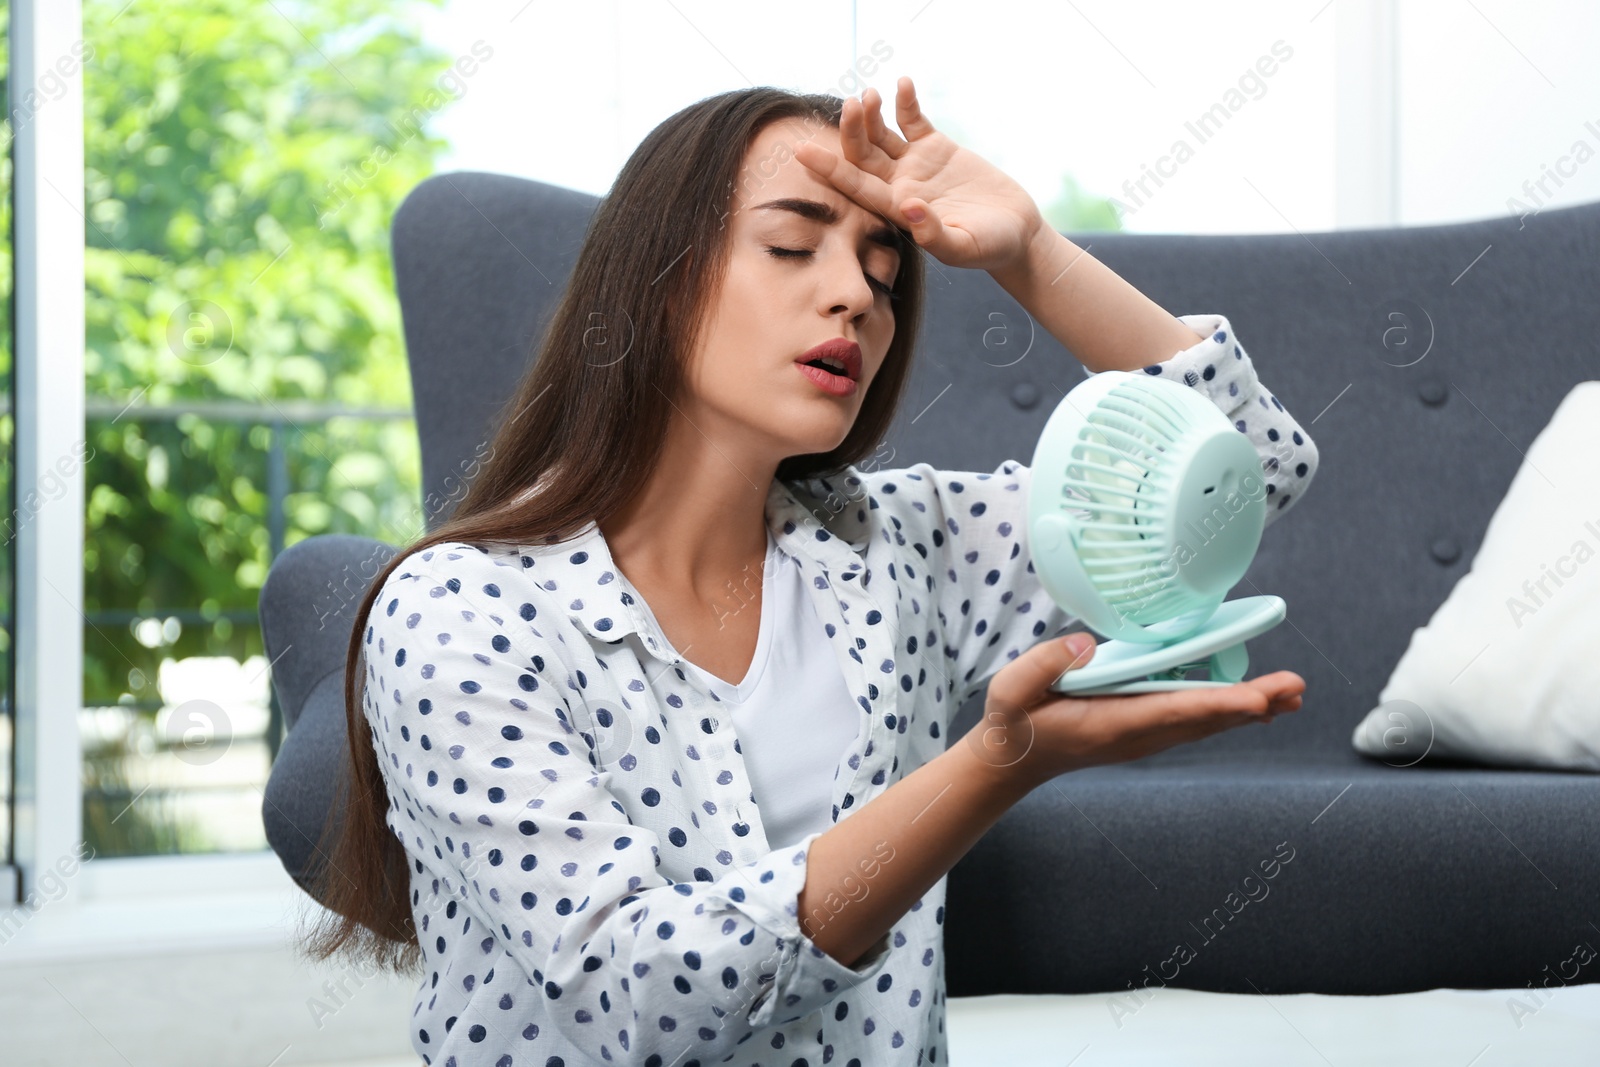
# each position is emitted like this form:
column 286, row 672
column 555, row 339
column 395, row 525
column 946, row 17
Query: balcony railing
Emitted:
column 281, row 418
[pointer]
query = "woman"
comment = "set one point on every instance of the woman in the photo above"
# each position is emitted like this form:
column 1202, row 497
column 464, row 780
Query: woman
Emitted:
column 600, row 849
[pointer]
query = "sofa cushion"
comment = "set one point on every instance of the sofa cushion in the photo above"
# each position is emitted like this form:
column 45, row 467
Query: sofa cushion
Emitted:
column 1278, row 872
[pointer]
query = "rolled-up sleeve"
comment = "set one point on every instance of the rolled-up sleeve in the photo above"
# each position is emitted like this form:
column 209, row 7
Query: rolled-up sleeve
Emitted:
column 487, row 752
column 1218, row 367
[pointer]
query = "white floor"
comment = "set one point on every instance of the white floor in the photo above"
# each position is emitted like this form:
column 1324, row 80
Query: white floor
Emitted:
column 1181, row 1028
column 255, row 1008
column 1448, row 1027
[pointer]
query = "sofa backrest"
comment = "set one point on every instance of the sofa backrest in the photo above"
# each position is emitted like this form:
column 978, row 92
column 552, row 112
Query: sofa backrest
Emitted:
column 1422, row 360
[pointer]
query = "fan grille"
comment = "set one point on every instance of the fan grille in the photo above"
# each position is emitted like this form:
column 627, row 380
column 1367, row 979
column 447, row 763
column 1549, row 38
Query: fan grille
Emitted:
column 1115, row 489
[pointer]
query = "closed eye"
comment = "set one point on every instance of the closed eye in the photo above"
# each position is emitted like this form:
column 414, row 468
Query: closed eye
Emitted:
column 792, row 253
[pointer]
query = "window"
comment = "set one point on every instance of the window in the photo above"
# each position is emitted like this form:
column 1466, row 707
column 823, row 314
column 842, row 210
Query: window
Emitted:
column 1494, row 110
column 244, row 375
column 1082, row 104
column 1247, row 117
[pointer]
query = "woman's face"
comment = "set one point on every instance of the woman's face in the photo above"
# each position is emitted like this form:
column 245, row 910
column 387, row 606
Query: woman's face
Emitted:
column 748, row 390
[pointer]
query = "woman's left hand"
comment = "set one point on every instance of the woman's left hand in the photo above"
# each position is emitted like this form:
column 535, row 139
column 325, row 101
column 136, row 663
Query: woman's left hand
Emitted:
column 973, row 214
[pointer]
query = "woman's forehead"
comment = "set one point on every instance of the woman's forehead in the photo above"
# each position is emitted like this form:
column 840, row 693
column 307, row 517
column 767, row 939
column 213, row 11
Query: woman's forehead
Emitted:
column 774, row 184
column 770, row 162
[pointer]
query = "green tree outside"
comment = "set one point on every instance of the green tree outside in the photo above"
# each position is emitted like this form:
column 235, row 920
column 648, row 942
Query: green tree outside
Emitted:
column 1075, row 210
column 242, row 165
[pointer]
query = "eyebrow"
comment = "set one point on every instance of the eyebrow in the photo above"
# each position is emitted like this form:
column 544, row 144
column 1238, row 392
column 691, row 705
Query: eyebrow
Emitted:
column 816, row 211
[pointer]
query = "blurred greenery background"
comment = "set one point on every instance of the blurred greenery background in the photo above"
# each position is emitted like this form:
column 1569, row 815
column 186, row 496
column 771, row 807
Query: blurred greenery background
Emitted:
column 242, row 163
column 246, row 376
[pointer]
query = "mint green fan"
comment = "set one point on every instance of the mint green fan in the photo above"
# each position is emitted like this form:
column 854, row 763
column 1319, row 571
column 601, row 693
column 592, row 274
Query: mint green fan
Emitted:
column 1146, row 507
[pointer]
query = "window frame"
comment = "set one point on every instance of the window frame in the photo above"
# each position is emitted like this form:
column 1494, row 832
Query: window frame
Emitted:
column 48, row 266
column 1366, row 184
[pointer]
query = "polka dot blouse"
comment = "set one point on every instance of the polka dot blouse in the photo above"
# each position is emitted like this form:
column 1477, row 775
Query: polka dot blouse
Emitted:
column 589, row 872
column 1220, row 368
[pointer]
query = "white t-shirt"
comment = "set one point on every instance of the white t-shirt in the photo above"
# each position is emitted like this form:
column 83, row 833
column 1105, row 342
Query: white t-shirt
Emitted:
column 792, row 713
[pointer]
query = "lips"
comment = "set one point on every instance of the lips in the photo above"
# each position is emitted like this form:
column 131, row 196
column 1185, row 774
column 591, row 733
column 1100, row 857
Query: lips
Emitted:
column 841, row 356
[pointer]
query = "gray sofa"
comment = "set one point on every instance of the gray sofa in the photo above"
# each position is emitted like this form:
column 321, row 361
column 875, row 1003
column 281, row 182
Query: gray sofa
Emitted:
column 1266, row 859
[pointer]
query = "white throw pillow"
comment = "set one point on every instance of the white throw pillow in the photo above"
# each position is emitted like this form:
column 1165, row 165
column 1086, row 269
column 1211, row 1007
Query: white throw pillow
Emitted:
column 1508, row 669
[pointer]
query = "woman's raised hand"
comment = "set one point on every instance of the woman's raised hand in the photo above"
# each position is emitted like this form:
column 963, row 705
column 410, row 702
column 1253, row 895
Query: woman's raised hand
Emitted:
column 1030, row 733
column 971, row 213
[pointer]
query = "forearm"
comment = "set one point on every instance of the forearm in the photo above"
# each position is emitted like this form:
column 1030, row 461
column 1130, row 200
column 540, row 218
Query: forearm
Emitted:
column 865, row 872
column 1100, row 318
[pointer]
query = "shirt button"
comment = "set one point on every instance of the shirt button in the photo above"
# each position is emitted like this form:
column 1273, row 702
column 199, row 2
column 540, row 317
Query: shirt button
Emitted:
column 715, row 750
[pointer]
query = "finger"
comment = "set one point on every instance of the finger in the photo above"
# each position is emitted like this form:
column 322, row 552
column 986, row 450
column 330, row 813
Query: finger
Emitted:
column 1185, row 731
column 1283, row 705
column 1137, row 744
column 891, row 143
column 1025, row 681
column 921, row 220
column 1278, row 684
column 868, row 190
column 1281, row 684
column 1199, row 731
column 908, row 112
column 1244, row 698
column 1208, row 709
column 854, row 138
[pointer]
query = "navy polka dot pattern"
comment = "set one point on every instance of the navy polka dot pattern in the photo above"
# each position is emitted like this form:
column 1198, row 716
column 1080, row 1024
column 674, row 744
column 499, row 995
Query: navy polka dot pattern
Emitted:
column 590, row 874
column 1220, row 368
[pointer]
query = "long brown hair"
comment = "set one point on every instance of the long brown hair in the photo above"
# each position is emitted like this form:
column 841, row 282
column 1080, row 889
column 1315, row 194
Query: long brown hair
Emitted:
column 590, row 426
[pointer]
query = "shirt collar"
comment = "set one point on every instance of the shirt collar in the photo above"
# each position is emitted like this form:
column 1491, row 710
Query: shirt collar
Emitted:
column 822, row 519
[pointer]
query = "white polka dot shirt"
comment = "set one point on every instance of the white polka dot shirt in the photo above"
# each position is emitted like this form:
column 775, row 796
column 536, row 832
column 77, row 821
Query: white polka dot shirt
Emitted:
column 590, row 875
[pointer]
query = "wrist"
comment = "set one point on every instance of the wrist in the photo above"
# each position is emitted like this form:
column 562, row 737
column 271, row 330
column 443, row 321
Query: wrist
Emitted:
column 1040, row 257
column 997, row 755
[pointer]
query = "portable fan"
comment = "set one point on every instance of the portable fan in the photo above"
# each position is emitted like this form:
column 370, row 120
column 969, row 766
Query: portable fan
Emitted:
column 1146, row 507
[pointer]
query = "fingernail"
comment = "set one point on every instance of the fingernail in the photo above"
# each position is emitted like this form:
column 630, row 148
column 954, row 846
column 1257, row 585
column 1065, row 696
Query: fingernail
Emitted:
column 1078, row 644
column 916, row 214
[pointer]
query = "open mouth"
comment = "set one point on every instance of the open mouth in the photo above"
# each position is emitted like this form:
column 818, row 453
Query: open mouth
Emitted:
column 829, row 364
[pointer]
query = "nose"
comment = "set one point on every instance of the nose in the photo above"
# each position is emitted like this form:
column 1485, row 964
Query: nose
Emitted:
column 850, row 291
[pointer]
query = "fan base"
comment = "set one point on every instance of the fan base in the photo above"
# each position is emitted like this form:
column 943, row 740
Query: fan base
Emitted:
column 1122, row 667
